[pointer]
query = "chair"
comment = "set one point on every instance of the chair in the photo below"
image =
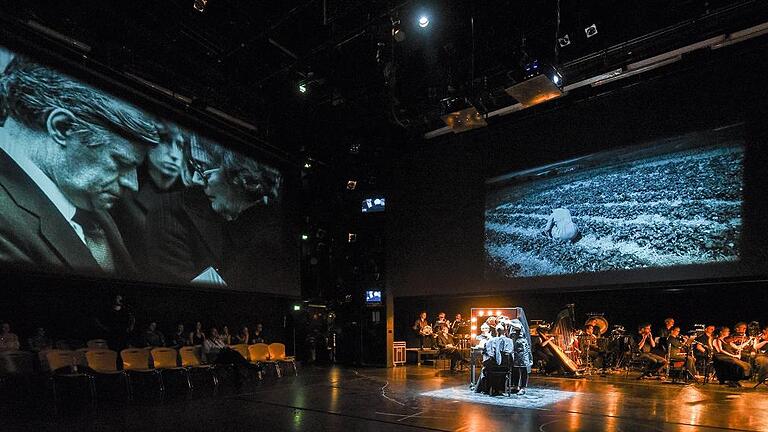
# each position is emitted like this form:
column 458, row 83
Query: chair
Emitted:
column 259, row 354
column 277, row 353
column 242, row 349
column 136, row 365
column 109, row 382
column 175, row 377
column 64, row 375
column 97, row 343
column 200, row 375
column 16, row 371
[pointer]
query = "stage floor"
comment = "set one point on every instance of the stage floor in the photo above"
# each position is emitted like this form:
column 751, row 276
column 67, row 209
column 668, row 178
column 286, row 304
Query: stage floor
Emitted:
column 417, row 398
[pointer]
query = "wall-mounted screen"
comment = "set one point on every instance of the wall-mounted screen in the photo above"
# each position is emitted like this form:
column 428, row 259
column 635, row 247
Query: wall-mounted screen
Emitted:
column 374, row 204
column 672, row 202
column 92, row 184
column 373, row 296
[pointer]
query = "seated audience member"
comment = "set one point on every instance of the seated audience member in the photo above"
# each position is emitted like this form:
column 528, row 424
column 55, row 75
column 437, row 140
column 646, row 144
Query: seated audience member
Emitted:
column 178, row 338
column 152, row 337
column 244, row 337
column 728, row 365
column 447, row 348
column 39, row 342
column 216, row 352
column 197, row 337
column 258, row 335
column 212, row 346
column 8, row 339
column 645, row 344
column 225, row 336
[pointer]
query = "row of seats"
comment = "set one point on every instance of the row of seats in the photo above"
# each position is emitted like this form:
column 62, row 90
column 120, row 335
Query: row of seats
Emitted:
column 141, row 371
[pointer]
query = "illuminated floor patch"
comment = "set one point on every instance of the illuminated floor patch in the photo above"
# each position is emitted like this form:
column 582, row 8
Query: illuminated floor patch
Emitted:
column 533, row 398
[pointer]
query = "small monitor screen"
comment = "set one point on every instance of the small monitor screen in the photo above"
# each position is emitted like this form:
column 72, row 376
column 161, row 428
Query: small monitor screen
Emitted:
column 373, row 296
column 373, row 204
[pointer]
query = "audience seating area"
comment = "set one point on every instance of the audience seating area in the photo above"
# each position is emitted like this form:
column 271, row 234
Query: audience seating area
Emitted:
column 96, row 374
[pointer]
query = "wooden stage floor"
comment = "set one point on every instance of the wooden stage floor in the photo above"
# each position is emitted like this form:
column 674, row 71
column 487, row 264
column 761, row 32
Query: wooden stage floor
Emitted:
column 418, row 398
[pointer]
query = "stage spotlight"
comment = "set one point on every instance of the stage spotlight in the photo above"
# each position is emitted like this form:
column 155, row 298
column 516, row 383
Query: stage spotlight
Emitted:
column 199, row 5
column 302, row 88
column 352, row 184
column 423, row 21
column 354, row 148
column 296, row 308
column 591, row 30
column 564, row 41
column 305, row 237
column 473, row 319
column 473, row 328
column 498, row 313
column 351, row 237
column 481, row 313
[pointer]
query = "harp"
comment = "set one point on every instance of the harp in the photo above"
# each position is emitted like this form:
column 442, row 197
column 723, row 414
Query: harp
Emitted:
column 561, row 342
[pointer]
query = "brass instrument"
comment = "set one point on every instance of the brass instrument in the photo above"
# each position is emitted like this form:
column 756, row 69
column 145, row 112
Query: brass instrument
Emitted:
column 599, row 321
column 426, row 330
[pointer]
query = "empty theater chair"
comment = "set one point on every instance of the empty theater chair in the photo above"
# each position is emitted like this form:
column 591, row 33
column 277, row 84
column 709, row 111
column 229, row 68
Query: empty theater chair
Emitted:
column 202, row 377
column 259, row 354
column 146, row 383
column 287, row 364
column 175, row 377
column 110, row 382
column 68, row 383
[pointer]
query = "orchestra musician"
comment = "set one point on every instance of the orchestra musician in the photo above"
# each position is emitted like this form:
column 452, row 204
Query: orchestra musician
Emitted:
column 727, row 360
column 423, row 331
column 663, row 348
column 761, row 359
column 447, row 348
column 678, row 350
column 596, row 357
column 702, row 346
column 440, row 322
column 456, row 323
column 645, row 344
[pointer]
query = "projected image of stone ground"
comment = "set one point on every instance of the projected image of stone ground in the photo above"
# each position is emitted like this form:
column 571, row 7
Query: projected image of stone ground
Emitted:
column 533, row 398
column 676, row 202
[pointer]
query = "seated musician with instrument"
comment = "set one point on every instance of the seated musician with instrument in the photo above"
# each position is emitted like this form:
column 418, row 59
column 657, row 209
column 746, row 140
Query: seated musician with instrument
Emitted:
column 423, row 331
column 448, row 349
column 591, row 350
column 441, row 322
column 645, row 344
column 729, row 367
column 679, row 347
column 761, row 357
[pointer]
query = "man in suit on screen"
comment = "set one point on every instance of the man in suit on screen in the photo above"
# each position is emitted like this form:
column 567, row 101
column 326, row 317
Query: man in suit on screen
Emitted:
column 67, row 153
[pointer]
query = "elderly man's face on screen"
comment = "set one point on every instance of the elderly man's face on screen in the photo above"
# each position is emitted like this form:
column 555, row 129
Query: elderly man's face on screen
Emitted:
column 96, row 170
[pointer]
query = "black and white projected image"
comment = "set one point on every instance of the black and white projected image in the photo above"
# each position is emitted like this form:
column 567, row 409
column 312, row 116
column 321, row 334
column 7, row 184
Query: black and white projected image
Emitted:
column 668, row 203
column 94, row 185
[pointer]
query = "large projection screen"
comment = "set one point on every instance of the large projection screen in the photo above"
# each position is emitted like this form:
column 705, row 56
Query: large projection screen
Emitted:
column 673, row 203
column 91, row 184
